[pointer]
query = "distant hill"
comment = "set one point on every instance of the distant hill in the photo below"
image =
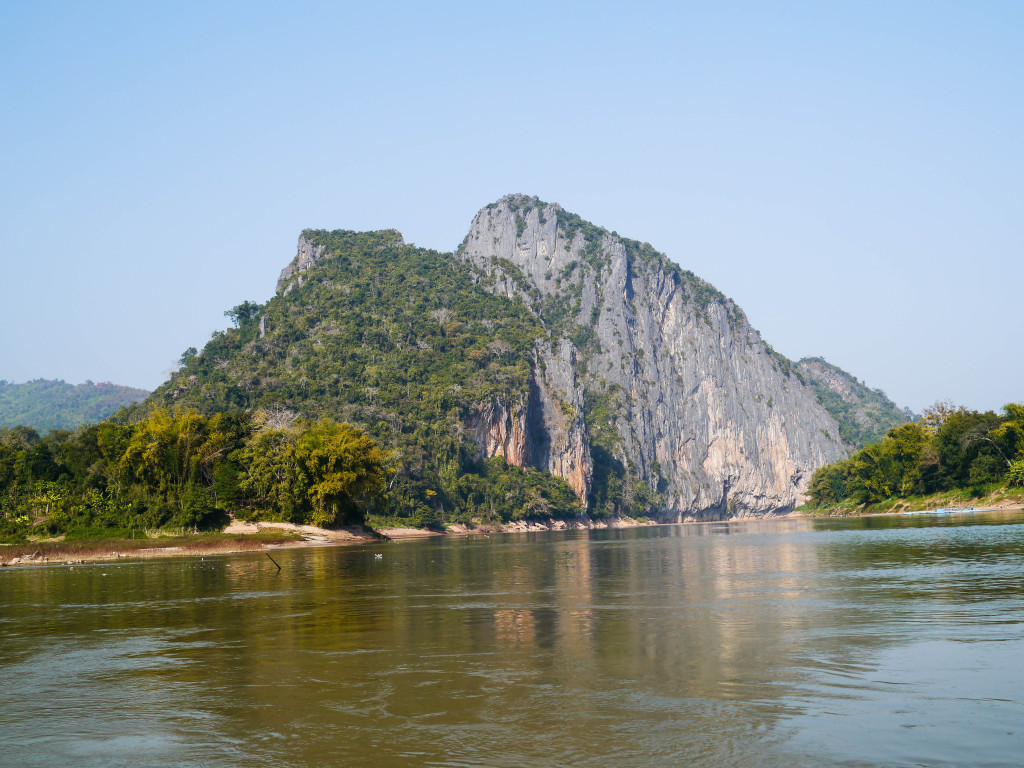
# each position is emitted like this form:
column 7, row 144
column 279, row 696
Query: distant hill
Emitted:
column 864, row 414
column 44, row 405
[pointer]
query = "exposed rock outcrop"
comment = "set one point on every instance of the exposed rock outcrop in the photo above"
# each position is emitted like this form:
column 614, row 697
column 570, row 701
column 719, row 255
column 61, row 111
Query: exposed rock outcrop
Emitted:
column 680, row 390
column 638, row 383
column 546, row 431
column 308, row 253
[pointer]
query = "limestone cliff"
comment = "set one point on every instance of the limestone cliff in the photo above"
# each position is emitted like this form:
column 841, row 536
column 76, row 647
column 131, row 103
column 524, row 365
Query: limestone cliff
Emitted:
column 680, row 394
column 546, row 431
column 575, row 354
column 306, row 255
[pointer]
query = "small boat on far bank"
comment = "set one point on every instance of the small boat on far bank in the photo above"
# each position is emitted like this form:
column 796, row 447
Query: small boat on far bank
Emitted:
column 943, row 511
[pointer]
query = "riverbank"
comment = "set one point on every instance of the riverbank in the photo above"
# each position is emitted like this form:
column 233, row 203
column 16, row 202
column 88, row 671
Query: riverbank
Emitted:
column 999, row 499
column 60, row 551
column 241, row 536
column 530, row 526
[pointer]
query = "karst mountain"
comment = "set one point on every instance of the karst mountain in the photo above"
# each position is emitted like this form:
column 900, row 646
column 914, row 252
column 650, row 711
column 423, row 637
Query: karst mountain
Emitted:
column 608, row 377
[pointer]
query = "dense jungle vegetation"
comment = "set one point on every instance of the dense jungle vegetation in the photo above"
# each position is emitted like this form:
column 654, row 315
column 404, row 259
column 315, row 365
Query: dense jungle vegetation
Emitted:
column 952, row 448
column 44, row 405
column 180, row 469
column 349, row 396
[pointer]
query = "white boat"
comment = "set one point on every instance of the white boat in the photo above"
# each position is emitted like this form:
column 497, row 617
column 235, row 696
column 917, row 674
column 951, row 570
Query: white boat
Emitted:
column 942, row 511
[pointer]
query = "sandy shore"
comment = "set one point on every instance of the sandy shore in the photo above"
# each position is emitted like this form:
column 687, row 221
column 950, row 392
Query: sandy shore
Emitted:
column 59, row 553
column 237, row 537
column 309, row 534
column 242, row 536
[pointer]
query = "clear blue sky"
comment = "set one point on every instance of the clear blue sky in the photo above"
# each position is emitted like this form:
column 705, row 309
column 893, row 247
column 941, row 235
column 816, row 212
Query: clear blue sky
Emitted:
column 852, row 174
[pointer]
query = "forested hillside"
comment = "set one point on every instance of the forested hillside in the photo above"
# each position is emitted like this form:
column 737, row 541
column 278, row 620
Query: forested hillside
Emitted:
column 607, row 378
column 548, row 368
column 865, row 415
column 403, row 342
column 44, row 405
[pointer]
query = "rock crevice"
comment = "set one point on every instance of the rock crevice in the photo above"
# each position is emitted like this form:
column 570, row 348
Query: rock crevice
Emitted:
column 547, row 429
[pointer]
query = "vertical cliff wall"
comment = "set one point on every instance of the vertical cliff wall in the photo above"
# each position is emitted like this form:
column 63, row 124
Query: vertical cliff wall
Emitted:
column 547, row 431
column 679, row 392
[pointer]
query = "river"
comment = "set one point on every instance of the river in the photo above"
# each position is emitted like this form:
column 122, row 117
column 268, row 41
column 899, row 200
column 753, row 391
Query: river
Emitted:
column 793, row 642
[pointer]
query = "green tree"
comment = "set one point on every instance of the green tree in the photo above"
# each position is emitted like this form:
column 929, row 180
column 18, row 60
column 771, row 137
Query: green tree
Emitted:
column 244, row 314
column 187, row 356
column 173, row 456
column 1015, row 475
column 268, row 474
column 1009, row 435
column 827, row 486
column 342, row 472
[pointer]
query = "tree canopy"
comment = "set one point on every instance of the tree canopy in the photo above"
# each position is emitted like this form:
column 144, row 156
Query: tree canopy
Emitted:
column 179, row 468
column 952, row 448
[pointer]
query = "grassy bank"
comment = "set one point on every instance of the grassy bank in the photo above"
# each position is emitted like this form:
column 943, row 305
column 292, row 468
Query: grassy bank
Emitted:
column 994, row 496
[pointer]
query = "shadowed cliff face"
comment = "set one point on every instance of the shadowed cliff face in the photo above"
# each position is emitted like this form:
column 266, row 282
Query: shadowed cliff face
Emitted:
column 547, row 431
column 678, row 390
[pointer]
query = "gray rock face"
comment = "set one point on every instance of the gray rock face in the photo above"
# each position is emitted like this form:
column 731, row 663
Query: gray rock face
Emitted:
column 676, row 385
column 306, row 255
column 546, row 431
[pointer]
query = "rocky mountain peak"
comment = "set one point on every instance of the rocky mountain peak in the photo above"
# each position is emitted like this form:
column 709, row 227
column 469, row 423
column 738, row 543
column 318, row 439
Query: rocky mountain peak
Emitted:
column 682, row 395
column 540, row 249
column 557, row 345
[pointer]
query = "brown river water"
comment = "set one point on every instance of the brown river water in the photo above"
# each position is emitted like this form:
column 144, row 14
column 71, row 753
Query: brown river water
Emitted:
column 867, row 642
